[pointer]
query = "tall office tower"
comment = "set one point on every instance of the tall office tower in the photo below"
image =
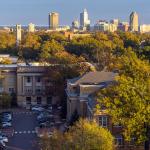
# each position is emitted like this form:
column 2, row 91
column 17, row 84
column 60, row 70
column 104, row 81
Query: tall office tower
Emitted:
column 53, row 20
column 31, row 27
column 75, row 24
column 84, row 20
column 18, row 34
column 134, row 22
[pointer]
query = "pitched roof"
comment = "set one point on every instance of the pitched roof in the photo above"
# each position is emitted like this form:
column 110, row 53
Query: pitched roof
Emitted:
column 94, row 78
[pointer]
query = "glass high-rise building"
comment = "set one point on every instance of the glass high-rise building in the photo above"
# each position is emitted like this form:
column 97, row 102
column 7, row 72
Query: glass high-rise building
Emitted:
column 84, row 19
column 134, row 22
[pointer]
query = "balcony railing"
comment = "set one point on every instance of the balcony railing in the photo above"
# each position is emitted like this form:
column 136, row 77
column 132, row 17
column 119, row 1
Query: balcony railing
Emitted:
column 39, row 91
column 28, row 91
column 28, row 83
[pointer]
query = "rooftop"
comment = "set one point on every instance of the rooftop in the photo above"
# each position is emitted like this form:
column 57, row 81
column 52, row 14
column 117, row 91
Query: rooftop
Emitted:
column 94, row 78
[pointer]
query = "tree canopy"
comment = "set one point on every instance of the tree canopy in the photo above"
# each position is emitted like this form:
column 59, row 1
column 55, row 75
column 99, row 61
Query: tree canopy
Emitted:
column 128, row 99
column 84, row 135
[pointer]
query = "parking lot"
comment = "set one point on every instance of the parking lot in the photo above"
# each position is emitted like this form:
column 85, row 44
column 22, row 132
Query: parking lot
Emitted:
column 23, row 131
column 23, row 134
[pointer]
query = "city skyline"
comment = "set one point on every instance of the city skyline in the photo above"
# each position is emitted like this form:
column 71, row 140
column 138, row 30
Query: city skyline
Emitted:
column 24, row 12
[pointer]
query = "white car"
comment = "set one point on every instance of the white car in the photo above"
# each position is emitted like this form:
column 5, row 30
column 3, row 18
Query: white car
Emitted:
column 8, row 116
column 2, row 143
column 37, row 108
column 50, row 108
column 6, row 124
column 59, row 107
column 3, row 138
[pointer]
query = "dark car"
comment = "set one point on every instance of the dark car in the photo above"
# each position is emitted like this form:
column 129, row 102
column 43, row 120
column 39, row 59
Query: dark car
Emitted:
column 44, row 115
column 6, row 124
column 5, row 119
column 6, row 116
column 42, row 120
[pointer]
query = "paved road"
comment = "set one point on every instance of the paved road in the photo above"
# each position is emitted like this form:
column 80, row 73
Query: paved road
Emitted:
column 24, row 138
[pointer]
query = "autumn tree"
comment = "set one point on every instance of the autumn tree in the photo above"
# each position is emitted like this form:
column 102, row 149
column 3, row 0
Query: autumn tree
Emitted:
column 31, row 44
column 128, row 99
column 84, row 135
column 7, row 43
column 49, row 49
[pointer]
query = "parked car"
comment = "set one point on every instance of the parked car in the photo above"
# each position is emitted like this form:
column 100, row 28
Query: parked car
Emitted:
column 3, row 138
column 37, row 108
column 45, row 124
column 2, row 144
column 6, row 124
column 59, row 107
column 50, row 108
column 42, row 120
column 7, row 114
column 5, row 119
column 44, row 115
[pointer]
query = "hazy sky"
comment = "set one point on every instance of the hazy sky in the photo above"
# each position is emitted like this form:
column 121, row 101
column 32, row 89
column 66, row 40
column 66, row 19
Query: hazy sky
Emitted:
column 36, row 11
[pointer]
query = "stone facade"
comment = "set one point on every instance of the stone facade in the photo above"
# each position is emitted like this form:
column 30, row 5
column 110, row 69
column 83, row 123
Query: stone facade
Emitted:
column 28, row 83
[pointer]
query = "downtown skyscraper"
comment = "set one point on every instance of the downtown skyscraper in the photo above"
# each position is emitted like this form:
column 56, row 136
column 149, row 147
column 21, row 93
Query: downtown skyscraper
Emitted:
column 53, row 20
column 134, row 22
column 84, row 20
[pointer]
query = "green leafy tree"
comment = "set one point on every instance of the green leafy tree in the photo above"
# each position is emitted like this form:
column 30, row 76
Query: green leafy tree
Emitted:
column 128, row 100
column 84, row 135
column 31, row 44
column 49, row 49
column 5, row 100
column 7, row 43
column 32, row 41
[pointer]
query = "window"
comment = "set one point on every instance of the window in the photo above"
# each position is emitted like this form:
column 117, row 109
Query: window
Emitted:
column 28, row 79
column 119, row 140
column 49, row 100
column 28, row 100
column 39, row 100
column 38, row 90
column 11, row 90
column 103, row 121
column 38, row 79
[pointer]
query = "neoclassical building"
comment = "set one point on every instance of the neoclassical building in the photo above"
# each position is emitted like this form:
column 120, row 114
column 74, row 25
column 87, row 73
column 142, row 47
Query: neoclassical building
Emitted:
column 28, row 82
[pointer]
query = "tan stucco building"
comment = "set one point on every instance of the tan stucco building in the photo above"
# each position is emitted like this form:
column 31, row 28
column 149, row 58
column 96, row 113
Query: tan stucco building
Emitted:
column 28, row 82
column 79, row 89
